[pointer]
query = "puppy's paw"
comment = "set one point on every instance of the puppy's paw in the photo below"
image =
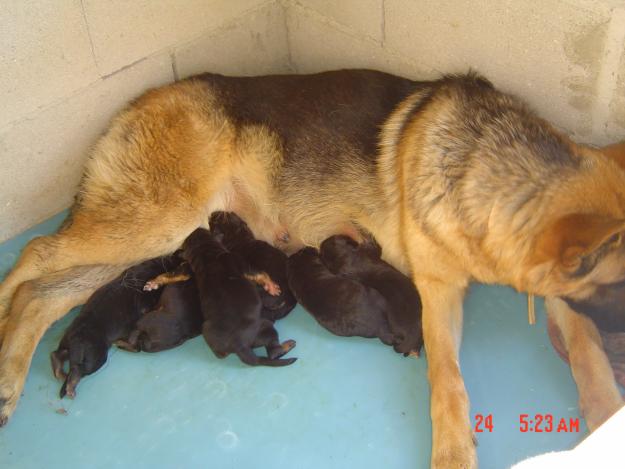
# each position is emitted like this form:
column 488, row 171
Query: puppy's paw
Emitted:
column 272, row 288
column 288, row 345
column 151, row 285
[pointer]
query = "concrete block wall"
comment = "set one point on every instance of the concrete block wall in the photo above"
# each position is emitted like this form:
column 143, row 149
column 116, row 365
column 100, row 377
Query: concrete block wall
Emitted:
column 565, row 57
column 69, row 65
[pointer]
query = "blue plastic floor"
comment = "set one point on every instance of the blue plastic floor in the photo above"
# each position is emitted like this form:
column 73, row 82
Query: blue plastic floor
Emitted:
column 345, row 403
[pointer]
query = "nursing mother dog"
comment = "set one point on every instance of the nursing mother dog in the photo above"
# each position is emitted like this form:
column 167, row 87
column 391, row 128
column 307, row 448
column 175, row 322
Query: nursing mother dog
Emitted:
column 457, row 181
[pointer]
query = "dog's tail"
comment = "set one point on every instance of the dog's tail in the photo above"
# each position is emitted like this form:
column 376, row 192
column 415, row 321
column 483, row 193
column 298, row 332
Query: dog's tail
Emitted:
column 71, row 381
column 249, row 358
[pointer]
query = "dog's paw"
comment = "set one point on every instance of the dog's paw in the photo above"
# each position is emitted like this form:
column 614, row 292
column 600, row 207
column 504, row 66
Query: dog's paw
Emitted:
column 8, row 401
column 599, row 408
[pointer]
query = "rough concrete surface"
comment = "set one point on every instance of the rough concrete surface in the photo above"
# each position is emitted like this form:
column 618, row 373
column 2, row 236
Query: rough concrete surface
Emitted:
column 565, row 57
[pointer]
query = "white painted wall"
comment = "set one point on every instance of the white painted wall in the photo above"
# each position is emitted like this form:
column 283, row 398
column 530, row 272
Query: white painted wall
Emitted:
column 69, row 65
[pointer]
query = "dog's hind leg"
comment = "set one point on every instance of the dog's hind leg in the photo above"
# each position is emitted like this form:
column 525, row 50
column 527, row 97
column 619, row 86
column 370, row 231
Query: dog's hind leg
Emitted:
column 248, row 357
column 599, row 396
column 181, row 274
column 268, row 337
column 92, row 241
column 132, row 343
column 57, row 360
column 42, row 255
column 36, row 305
column 453, row 446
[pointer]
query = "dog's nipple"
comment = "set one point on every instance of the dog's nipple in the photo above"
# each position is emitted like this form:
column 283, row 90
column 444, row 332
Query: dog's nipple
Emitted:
column 284, row 237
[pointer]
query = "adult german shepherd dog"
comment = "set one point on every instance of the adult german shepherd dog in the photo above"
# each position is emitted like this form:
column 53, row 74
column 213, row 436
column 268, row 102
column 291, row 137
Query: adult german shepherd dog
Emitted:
column 457, row 181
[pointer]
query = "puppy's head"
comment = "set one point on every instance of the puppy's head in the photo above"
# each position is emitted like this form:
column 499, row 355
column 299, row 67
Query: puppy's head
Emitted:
column 370, row 249
column 201, row 241
column 229, row 228
column 338, row 253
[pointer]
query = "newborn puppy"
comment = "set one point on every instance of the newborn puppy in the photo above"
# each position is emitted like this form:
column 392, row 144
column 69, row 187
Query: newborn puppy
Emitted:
column 109, row 314
column 363, row 263
column 261, row 256
column 343, row 306
column 230, row 302
column 176, row 318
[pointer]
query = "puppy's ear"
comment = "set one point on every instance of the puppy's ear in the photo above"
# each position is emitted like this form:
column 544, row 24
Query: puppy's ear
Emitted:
column 569, row 239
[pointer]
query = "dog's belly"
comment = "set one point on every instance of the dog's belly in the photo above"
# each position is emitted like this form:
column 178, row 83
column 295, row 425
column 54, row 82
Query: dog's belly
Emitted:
column 281, row 221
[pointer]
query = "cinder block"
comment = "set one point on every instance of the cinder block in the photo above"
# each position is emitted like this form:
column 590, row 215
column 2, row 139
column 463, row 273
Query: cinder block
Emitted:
column 616, row 126
column 254, row 44
column 364, row 16
column 45, row 55
column 317, row 45
column 548, row 52
column 126, row 31
column 43, row 155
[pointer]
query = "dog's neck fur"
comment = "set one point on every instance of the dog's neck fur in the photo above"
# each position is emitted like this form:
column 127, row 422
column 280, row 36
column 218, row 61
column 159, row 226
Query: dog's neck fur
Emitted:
column 447, row 200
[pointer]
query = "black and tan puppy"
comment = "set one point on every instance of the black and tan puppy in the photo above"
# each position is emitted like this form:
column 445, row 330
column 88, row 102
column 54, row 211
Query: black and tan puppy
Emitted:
column 362, row 263
column 342, row 305
column 230, row 302
column 110, row 314
column 176, row 318
column 261, row 256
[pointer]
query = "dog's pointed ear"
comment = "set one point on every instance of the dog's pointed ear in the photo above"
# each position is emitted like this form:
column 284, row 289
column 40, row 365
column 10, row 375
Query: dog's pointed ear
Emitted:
column 567, row 240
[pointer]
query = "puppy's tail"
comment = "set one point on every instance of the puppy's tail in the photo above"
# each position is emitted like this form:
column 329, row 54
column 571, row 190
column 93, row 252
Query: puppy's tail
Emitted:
column 249, row 358
column 69, row 385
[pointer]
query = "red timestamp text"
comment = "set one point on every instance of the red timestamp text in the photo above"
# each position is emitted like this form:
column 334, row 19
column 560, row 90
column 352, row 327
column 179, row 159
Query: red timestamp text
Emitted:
column 483, row 422
column 546, row 423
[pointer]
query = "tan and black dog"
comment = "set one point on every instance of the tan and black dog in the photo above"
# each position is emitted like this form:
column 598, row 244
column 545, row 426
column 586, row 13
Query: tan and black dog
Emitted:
column 581, row 338
column 452, row 176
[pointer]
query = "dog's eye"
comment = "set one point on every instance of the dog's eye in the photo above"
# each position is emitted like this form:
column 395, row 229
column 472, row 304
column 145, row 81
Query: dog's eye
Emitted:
column 615, row 240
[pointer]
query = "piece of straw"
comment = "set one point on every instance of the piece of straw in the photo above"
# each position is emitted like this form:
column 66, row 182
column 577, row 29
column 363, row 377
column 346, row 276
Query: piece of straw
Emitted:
column 531, row 311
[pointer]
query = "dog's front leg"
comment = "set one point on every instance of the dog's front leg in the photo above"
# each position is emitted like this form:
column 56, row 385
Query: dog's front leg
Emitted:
column 453, row 445
column 599, row 396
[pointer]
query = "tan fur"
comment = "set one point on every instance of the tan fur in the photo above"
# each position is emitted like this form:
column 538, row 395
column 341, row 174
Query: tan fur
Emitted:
column 599, row 396
column 440, row 199
column 487, row 243
column 598, row 392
